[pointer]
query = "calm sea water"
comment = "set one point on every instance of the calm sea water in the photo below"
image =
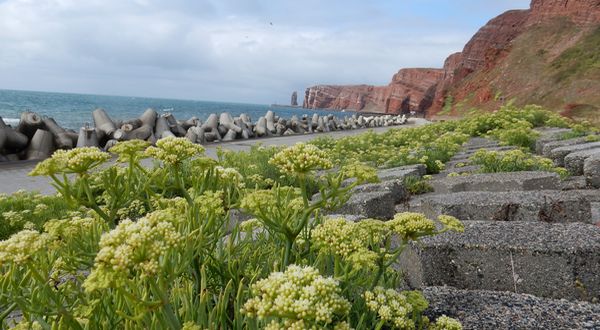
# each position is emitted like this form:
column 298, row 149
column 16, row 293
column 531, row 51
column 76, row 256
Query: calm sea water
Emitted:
column 74, row 110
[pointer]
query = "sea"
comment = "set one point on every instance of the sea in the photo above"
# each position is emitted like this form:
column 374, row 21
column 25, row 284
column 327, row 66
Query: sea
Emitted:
column 75, row 110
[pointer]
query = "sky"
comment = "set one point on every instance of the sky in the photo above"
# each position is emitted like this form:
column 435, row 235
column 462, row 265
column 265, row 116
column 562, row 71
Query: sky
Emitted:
column 253, row 51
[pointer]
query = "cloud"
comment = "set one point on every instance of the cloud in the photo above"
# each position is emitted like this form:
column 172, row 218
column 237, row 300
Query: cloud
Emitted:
column 234, row 50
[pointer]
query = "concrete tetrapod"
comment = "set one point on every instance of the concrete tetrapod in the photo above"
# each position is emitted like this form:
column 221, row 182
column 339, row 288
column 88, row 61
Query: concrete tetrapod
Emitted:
column 62, row 138
column 41, row 145
column 30, row 122
column 87, row 138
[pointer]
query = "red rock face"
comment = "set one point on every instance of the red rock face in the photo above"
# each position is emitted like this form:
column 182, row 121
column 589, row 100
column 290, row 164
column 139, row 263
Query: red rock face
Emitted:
column 494, row 37
column 582, row 12
column 424, row 90
column 410, row 90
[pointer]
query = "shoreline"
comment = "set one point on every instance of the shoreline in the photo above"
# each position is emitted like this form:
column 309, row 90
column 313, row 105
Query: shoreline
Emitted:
column 37, row 137
column 13, row 175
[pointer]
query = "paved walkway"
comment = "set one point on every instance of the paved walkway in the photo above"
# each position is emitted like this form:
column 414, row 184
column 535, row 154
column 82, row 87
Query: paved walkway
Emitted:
column 13, row 176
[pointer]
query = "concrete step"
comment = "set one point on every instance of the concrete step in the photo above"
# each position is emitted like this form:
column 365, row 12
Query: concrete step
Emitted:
column 547, row 147
column 479, row 142
column 553, row 206
column 466, row 154
column 400, row 173
column 460, row 170
column 591, row 170
column 546, row 260
column 482, row 309
column 574, row 161
column 549, row 135
column 506, row 181
column 558, row 155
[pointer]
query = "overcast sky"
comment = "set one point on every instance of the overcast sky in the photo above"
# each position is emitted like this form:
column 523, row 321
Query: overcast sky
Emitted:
column 255, row 51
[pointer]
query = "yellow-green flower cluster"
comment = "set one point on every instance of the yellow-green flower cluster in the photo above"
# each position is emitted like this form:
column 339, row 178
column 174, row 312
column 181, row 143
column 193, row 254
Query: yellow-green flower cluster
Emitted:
column 390, row 306
column 302, row 325
column 512, row 161
column 445, row 323
column 451, row 223
column 230, row 176
column 174, row 151
column 363, row 173
column 22, row 246
column 301, row 159
column 251, row 225
column 190, row 326
column 130, row 151
column 134, row 210
column 210, row 203
column 299, row 293
column 71, row 228
column 350, row 240
column 78, row 160
column 411, row 226
column 134, row 248
column 25, row 325
column 269, row 201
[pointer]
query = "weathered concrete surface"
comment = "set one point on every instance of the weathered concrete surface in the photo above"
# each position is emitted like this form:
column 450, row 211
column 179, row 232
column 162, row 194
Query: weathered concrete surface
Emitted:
column 395, row 187
column 508, row 181
column 558, row 155
column 481, row 309
column 546, row 260
column 547, row 147
column 575, row 160
column 400, row 173
column 546, row 205
column 460, row 170
column 591, row 170
column 376, row 205
column 549, row 135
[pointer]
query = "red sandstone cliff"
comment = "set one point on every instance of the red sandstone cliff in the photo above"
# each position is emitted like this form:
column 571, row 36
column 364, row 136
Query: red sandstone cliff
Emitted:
column 548, row 54
column 410, row 89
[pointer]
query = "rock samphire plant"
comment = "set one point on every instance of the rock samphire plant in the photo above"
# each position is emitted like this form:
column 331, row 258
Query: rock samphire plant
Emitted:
column 158, row 247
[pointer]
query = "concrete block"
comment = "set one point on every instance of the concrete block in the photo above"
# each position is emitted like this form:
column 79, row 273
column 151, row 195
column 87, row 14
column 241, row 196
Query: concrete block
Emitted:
column 591, row 170
column 483, row 309
column 399, row 173
column 558, row 155
column 546, row 260
column 546, row 205
column 376, row 205
column 506, row 181
column 549, row 135
column 395, row 187
column 549, row 146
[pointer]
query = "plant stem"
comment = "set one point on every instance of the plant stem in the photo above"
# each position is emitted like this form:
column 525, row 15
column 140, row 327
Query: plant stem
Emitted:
column 288, row 248
column 380, row 269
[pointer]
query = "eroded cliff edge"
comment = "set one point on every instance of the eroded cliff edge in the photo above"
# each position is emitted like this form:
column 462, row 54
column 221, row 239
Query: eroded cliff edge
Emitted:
column 548, row 54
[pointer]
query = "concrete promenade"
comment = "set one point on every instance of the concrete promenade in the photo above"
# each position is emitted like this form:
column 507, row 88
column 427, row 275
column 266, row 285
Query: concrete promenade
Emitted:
column 13, row 175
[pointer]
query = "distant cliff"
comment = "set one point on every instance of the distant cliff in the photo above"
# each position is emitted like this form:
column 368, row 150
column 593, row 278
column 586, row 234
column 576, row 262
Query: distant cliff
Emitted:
column 548, row 54
column 410, row 89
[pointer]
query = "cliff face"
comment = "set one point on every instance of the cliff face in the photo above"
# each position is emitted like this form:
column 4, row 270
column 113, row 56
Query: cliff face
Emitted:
column 409, row 90
column 548, row 54
column 581, row 12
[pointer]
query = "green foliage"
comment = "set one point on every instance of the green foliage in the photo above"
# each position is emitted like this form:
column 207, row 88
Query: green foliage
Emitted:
column 448, row 101
column 28, row 210
column 513, row 161
column 416, row 185
column 582, row 57
column 155, row 248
